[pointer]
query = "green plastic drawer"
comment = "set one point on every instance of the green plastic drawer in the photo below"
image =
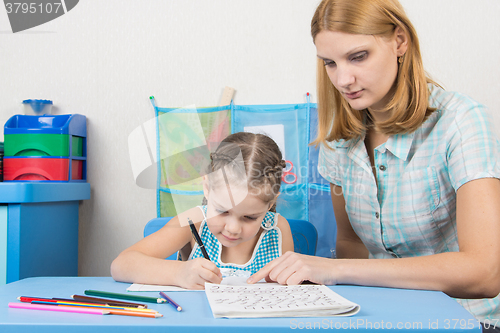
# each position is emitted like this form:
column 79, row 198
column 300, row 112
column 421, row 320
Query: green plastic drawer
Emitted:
column 42, row 145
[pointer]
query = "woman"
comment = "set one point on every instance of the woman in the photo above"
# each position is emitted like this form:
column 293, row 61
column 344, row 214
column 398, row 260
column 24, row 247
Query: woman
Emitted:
column 414, row 170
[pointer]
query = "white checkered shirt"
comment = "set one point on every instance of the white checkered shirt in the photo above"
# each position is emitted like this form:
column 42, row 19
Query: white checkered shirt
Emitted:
column 412, row 210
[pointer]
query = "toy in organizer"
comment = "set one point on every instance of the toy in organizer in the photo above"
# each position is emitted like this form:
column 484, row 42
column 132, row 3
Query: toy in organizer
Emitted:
column 46, row 148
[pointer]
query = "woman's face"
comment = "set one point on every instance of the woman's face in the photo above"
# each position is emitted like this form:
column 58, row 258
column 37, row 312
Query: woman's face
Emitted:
column 363, row 68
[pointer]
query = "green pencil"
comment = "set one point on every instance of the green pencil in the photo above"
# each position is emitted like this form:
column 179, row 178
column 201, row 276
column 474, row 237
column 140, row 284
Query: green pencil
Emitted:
column 124, row 296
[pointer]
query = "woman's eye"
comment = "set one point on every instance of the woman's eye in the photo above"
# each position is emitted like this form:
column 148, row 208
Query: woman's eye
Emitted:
column 329, row 63
column 359, row 56
column 219, row 211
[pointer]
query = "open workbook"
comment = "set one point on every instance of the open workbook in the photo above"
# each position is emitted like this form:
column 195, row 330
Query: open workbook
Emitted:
column 273, row 300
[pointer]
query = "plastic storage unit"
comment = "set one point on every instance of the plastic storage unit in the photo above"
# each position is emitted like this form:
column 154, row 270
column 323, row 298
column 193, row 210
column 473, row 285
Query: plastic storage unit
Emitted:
column 39, row 229
column 45, row 177
column 46, row 148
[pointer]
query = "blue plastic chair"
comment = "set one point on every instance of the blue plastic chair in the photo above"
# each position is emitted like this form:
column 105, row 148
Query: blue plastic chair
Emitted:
column 305, row 236
column 156, row 224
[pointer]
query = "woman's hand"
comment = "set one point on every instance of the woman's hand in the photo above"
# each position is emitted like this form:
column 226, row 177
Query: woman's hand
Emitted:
column 193, row 274
column 294, row 268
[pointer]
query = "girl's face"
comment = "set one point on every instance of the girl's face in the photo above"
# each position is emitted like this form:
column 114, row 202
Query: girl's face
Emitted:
column 234, row 217
column 363, row 68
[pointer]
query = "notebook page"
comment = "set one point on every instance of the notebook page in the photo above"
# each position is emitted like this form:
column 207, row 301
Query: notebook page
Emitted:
column 262, row 300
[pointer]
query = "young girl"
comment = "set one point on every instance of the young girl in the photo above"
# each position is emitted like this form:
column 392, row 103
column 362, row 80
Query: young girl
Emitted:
column 414, row 169
column 239, row 226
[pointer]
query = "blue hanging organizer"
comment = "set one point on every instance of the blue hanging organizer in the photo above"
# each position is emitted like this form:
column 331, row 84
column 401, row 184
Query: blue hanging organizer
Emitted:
column 305, row 195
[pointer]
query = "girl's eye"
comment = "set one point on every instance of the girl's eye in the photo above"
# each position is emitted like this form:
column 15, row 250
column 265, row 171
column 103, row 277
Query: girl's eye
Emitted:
column 250, row 218
column 329, row 63
column 359, row 56
column 219, row 211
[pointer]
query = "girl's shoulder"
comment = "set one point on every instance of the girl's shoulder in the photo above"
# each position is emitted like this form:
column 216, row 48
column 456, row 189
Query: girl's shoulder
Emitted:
column 282, row 223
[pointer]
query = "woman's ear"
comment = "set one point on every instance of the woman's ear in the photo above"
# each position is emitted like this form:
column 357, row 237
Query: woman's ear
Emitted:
column 401, row 41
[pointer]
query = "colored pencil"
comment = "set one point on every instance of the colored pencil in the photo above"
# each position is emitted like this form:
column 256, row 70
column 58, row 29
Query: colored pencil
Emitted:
column 74, row 309
column 94, row 305
column 88, row 300
column 125, row 296
column 123, row 305
column 136, row 313
column 29, row 299
column 108, row 310
column 198, row 239
column 170, row 301
column 106, row 301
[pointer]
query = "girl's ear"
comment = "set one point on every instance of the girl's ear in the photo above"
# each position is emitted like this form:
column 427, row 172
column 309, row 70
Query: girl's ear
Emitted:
column 273, row 202
column 205, row 186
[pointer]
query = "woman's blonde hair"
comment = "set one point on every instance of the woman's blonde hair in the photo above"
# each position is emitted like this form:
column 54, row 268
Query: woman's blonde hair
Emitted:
column 409, row 105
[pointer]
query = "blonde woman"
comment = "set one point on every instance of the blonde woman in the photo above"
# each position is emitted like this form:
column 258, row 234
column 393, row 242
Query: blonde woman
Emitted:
column 414, row 169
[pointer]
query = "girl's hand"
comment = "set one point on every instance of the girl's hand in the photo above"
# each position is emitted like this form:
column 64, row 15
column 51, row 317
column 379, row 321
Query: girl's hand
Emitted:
column 194, row 273
column 294, row 268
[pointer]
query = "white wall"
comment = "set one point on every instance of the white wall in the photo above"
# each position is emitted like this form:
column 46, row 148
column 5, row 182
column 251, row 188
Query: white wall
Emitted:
column 103, row 59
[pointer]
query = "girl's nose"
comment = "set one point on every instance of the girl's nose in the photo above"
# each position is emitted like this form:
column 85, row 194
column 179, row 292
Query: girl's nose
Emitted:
column 233, row 226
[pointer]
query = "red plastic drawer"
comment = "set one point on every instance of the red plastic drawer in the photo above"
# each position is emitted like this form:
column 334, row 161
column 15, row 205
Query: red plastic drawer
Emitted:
column 37, row 168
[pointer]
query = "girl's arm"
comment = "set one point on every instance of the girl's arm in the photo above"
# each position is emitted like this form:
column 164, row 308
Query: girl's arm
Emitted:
column 144, row 262
column 473, row 272
column 286, row 235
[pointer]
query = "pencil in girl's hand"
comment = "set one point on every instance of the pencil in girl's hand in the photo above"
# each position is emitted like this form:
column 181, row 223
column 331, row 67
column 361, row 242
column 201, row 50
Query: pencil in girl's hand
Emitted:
column 198, row 239
column 111, row 302
column 125, row 296
column 171, row 301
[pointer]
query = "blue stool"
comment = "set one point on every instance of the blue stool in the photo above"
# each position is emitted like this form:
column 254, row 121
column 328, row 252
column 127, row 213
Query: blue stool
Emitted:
column 156, row 224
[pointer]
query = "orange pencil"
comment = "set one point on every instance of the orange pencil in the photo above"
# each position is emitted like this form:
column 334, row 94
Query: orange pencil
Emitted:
column 108, row 310
column 93, row 305
column 135, row 313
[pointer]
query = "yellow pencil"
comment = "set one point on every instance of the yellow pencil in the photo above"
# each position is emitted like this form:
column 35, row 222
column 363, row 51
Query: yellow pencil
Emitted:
column 108, row 310
column 104, row 306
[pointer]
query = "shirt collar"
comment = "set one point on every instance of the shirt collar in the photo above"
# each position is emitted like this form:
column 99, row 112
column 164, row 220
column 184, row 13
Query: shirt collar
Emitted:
column 400, row 144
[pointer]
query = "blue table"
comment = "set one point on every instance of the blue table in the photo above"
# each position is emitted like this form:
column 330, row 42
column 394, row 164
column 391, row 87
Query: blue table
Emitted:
column 381, row 308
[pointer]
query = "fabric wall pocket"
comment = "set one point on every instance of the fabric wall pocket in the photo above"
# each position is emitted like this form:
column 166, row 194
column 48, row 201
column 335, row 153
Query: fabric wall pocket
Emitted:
column 288, row 126
column 186, row 136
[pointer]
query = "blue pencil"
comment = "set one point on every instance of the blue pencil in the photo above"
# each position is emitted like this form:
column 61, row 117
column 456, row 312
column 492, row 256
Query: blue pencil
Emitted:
column 169, row 300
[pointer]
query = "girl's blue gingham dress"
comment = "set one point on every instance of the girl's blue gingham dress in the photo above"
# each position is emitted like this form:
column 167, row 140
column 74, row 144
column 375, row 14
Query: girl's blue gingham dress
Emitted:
column 268, row 247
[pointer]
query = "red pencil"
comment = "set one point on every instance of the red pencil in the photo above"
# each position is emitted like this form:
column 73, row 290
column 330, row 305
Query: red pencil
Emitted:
column 106, row 301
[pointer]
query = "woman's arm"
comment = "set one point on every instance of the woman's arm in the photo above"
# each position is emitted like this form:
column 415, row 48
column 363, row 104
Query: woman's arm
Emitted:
column 144, row 262
column 348, row 244
column 473, row 272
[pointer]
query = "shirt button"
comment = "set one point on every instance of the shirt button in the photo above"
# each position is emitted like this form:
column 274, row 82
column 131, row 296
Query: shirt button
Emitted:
column 377, row 215
column 382, row 168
